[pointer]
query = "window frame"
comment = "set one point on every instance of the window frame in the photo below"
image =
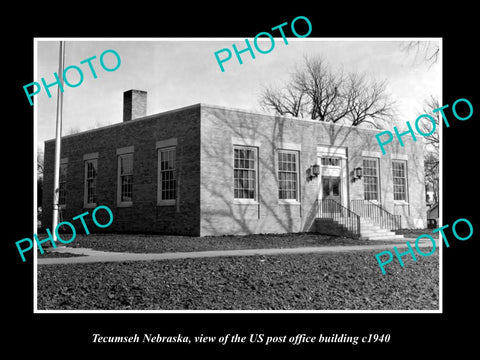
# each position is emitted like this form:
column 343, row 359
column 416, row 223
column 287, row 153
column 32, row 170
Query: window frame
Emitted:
column 160, row 201
column 377, row 176
column 86, row 203
column 255, row 150
column 62, row 180
column 120, row 202
column 325, row 157
column 405, row 185
column 296, row 153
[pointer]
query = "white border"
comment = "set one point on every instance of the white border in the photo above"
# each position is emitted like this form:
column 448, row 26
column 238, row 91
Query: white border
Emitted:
column 387, row 39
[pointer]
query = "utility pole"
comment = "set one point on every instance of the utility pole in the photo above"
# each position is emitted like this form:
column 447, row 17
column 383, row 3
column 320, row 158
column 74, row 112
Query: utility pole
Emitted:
column 58, row 135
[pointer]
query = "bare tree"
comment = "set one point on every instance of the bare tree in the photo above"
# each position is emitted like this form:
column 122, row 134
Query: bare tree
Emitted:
column 432, row 143
column 368, row 101
column 425, row 50
column 40, row 162
column 426, row 126
column 289, row 102
column 432, row 175
column 73, row 130
column 319, row 93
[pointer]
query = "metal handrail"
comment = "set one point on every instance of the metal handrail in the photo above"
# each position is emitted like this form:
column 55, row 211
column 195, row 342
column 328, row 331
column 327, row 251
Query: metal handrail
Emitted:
column 330, row 209
column 377, row 214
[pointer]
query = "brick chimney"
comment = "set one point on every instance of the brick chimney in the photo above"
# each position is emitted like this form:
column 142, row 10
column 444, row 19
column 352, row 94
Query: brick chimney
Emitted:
column 134, row 104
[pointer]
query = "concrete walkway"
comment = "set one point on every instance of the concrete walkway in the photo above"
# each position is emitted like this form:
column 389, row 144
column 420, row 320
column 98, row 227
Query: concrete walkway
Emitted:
column 104, row 256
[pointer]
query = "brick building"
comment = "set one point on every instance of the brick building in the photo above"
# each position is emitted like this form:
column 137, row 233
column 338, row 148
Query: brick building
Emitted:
column 209, row 170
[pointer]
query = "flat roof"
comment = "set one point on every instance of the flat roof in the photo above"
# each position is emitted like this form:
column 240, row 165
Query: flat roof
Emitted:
column 200, row 105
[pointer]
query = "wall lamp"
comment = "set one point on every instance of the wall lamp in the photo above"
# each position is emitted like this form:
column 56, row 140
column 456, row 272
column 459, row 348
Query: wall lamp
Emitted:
column 357, row 173
column 314, row 171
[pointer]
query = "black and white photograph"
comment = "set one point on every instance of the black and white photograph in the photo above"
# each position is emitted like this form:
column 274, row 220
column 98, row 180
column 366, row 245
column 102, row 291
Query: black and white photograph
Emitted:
column 258, row 185
column 299, row 180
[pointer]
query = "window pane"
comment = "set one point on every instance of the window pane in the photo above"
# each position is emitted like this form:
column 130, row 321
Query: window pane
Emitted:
column 399, row 180
column 168, row 184
column 126, row 164
column 330, row 161
column 244, row 173
column 335, row 186
column 325, row 186
column 126, row 177
column 370, row 179
column 62, row 184
column 91, row 181
column 62, row 194
column 287, row 175
column 63, row 172
column 126, row 189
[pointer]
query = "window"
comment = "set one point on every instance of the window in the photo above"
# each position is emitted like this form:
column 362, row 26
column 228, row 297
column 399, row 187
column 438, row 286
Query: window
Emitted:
column 399, row 180
column 167, row 183
column 90, row 182
column 331, row 187
column 125, row 179
column 62, row 185
column 330, row 161
column 287, row 175
column 370, row 178
column 245, row 173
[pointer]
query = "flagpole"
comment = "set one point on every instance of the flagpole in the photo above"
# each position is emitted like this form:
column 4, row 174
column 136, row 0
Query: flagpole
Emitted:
column 58, row 135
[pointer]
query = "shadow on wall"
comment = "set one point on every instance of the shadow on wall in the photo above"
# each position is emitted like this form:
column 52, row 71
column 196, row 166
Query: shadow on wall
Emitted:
column 414, row 212
column 221, row 214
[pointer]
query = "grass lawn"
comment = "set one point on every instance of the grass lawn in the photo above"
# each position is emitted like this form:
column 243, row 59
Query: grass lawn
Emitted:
column 165, row 243
column 351, row 280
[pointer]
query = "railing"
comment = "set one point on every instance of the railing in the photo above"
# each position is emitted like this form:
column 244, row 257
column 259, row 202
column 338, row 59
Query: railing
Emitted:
column 376, row 213
column 330, row 209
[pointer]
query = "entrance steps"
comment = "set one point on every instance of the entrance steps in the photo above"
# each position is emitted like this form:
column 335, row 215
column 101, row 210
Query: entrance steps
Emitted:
column 368, row 230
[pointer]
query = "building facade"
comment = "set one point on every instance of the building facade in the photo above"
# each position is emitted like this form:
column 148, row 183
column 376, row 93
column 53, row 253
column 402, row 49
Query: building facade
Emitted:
column 209, row 170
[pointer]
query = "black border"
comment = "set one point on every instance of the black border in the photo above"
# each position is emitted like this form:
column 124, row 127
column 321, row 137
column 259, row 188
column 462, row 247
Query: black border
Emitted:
column 426, row 333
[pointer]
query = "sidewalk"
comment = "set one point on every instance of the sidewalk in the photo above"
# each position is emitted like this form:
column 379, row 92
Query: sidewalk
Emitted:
column 104, row 256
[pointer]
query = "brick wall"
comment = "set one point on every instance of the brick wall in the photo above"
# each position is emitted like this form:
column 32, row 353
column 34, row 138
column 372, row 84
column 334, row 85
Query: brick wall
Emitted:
column 220, row 213
column 205, row 205
column 222, row 128
column 144, row 215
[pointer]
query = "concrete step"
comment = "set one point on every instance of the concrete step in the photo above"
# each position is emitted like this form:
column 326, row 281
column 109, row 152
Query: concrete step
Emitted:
column 377, row 234
column 368, row 230
column 373, row 228
column 364, row 227
column 362, row 223
column 389, row 237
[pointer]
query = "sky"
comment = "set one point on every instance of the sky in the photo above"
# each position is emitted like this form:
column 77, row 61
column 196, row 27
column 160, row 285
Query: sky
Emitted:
column 181, row 72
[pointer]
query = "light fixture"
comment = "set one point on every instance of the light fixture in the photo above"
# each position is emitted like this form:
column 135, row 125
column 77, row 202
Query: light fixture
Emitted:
column 315, row 170
column 357, row 173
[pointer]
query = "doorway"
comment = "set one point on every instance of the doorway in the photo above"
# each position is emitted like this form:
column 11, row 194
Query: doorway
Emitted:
column 332, row 182
column 331, row 191
column 331, row 188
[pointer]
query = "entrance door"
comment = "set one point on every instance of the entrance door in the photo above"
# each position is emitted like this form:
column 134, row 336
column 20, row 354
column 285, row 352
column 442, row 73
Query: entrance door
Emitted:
column 333, row 179
column 331, row 190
